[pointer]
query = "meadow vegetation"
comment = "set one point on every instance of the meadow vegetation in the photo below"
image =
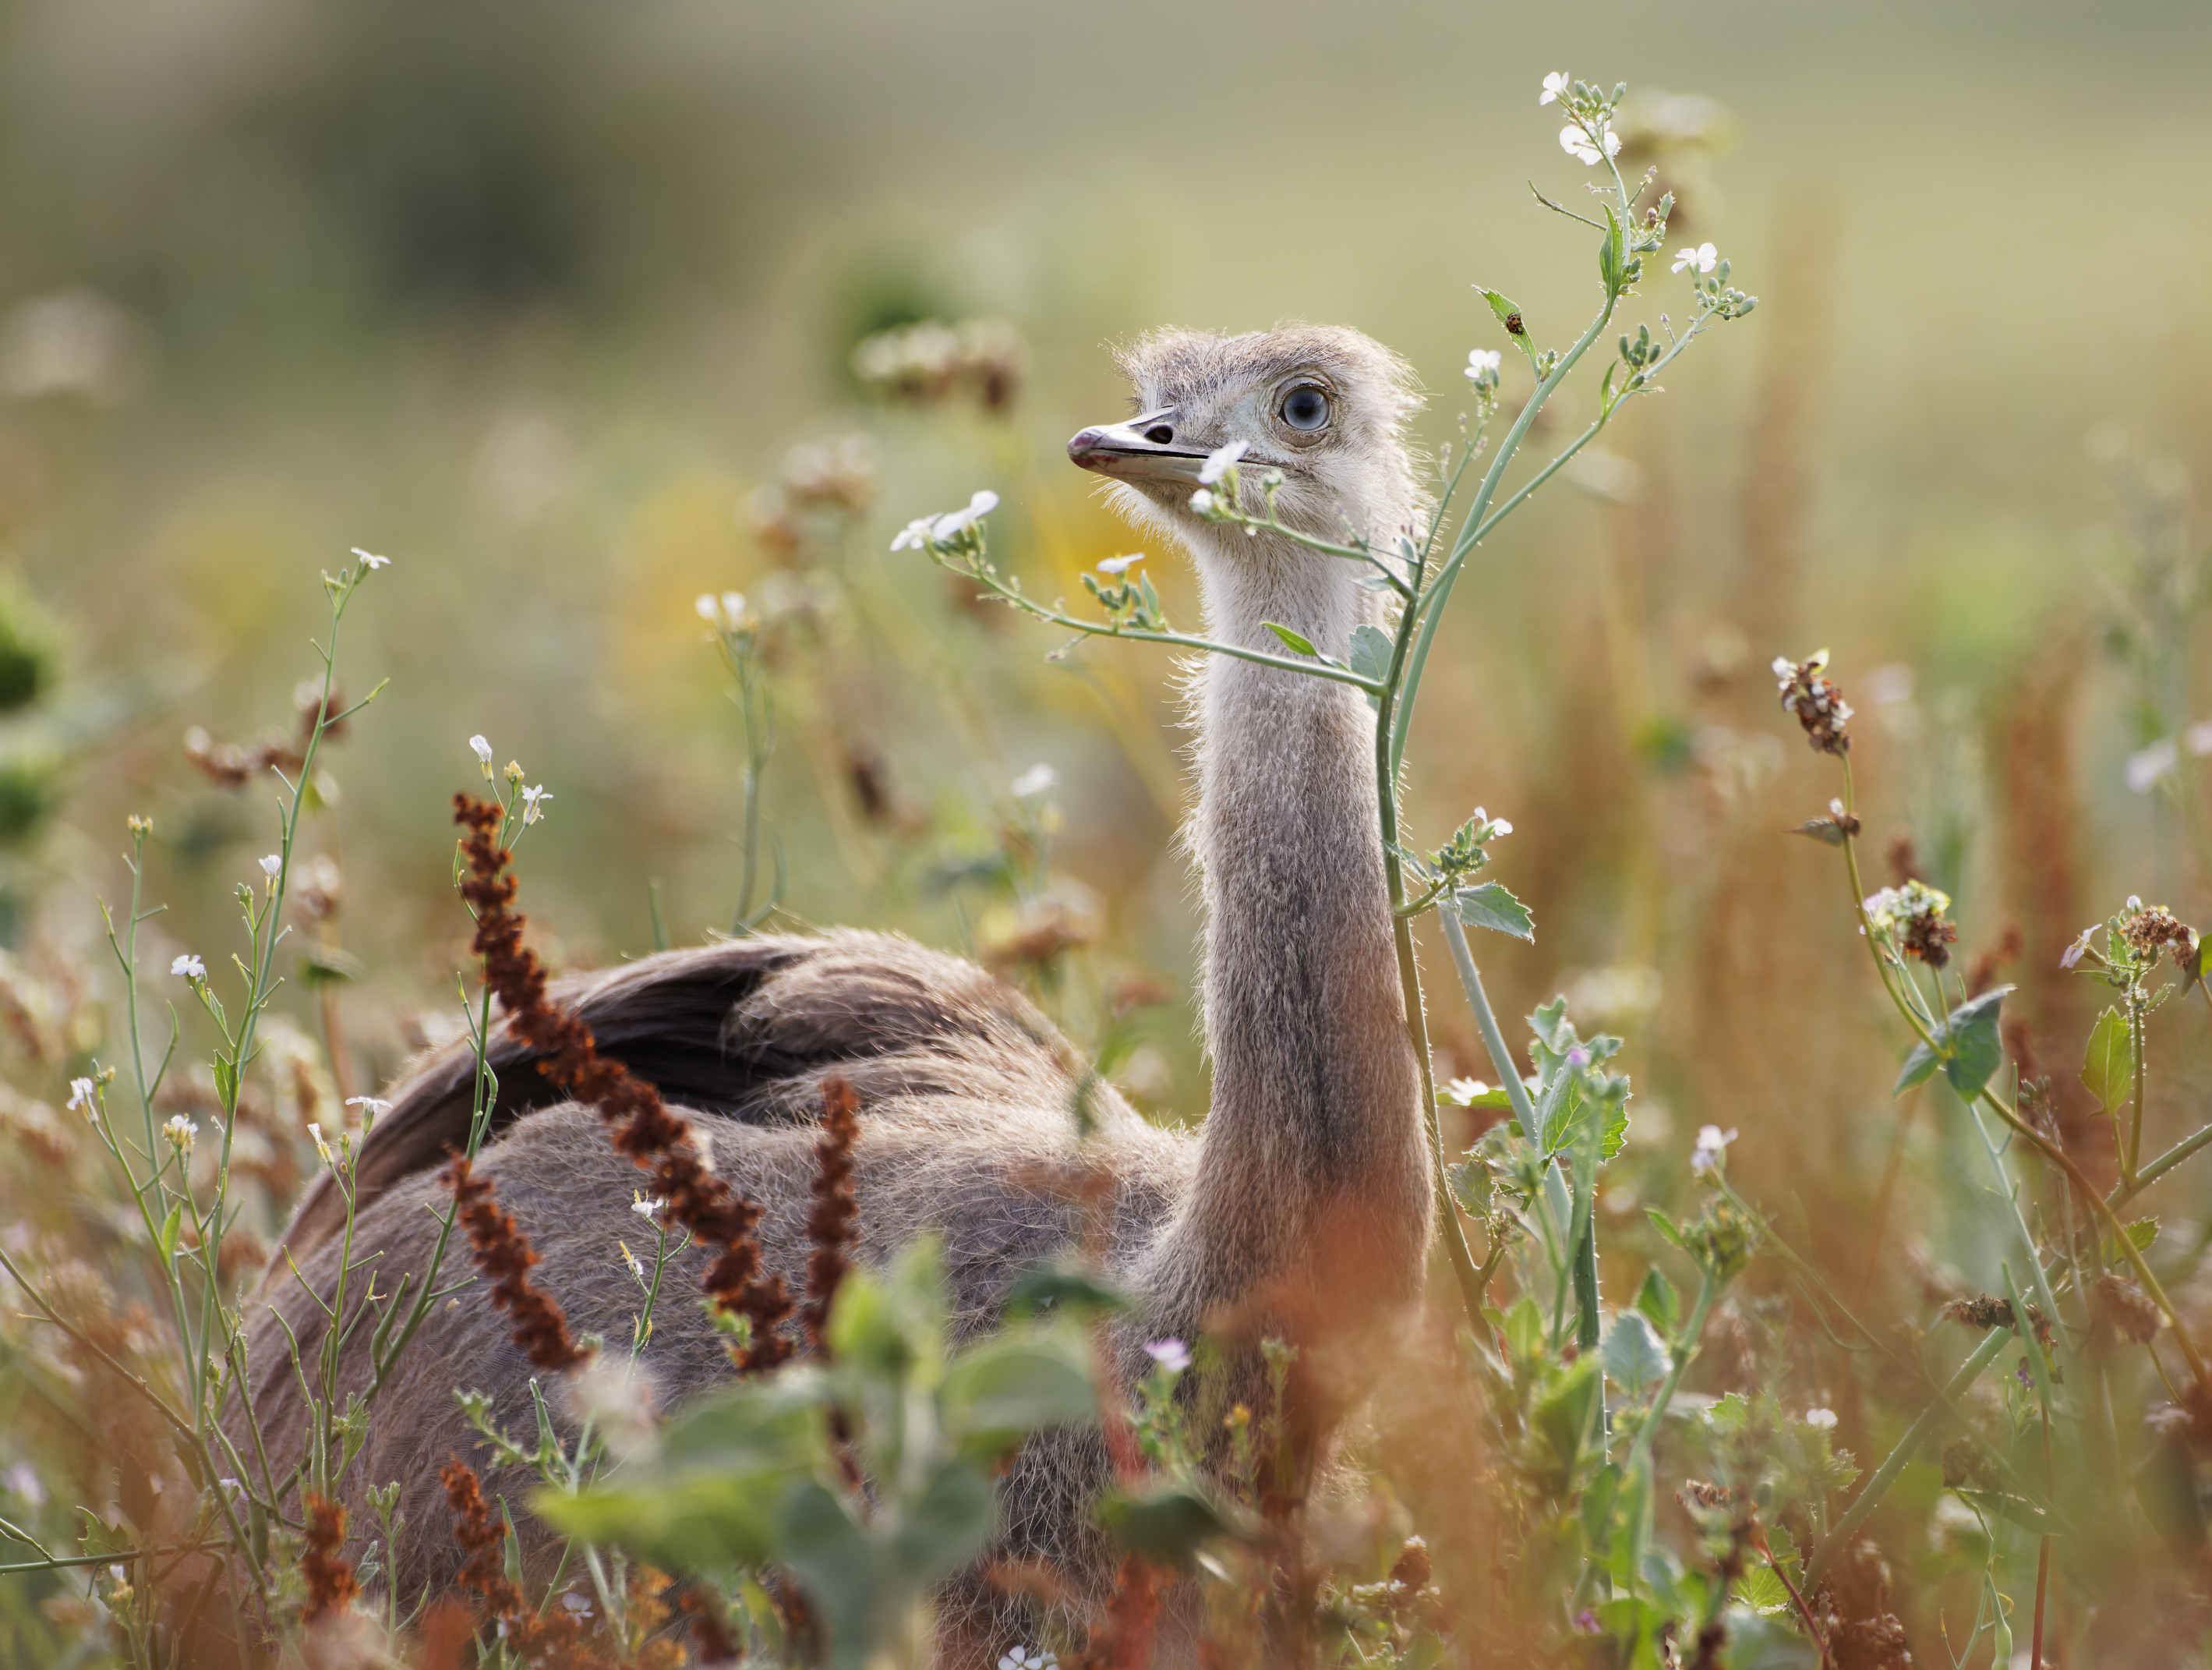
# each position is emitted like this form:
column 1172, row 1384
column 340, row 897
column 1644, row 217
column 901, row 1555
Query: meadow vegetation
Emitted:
column 1822, row 1271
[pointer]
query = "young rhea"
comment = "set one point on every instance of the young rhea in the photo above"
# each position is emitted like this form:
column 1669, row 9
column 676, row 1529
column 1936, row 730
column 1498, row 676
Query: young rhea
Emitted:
column 1301, row 1210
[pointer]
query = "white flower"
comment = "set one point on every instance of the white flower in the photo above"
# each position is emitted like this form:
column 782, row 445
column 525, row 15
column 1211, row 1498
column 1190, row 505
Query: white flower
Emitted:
column 1221, row 461
column 1038, row 780
column 710, row 610
column 1029, row 1658
column 1711, row 1149
column 372, row 1108
column 1704, row 258
column 1823, row 1418
column 1577, row 144
column 82, row 1096
column 189, row 967
column 180, row 1131
column 1555, row 87
column 1466, row 1091
column 1120, row 565
column 533, row 803
column 322, row 1147
column 273, row 865
column 1892, row 906
column 645, row 1206
column 913, row 537
column 481, row 748
column 2078, row 948
column 955, row 521
column 1171, row 1354
column 636, row 1269
column 1483, row 363
column 1202, row 501
column 2147, row 765
column 370, row 558
column 1500, row 827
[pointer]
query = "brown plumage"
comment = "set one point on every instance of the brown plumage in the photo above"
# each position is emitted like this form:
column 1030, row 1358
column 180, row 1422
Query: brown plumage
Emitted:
column 1301, row 1210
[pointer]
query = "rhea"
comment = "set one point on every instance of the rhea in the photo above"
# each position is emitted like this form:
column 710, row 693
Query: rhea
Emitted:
column 1299, row 1209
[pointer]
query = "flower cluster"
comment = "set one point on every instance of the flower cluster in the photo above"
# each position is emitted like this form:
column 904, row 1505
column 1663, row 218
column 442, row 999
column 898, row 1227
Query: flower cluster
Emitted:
column 824, row 483
column 1913, row 916
column 234, row 765
column 504, row 1254
column 332, row 1585
column 834, row 1224
column 1710, row 1157
column 2151, row 929
column 952, row 530
column 1589, row 136
column 984, row 359
column 1821, row 708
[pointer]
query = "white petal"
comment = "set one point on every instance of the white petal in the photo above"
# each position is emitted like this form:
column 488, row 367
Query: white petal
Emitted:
column 1220, row 460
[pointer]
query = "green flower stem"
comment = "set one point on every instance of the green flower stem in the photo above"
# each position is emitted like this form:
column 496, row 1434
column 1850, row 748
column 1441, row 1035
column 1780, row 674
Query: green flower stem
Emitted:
column 2043, row 1144
column 1871, row 1493
column 1685, row 1348
column 1486, row 1020
column 2138, row 1039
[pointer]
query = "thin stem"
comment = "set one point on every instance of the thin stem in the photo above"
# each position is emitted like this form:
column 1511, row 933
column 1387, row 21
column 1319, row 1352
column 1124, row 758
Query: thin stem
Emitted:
column 1876, row 1488
column 1685, row 1348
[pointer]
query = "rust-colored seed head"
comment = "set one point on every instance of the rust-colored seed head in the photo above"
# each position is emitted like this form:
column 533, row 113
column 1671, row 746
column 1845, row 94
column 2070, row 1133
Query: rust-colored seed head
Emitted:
column 330, row 1583
column 1821, row 708
column 642, row 1128
column 504, row 1254
column 835, row 1221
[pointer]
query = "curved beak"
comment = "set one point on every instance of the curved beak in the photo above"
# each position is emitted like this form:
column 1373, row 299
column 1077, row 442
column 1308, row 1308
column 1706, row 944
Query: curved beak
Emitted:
column 1130, row 452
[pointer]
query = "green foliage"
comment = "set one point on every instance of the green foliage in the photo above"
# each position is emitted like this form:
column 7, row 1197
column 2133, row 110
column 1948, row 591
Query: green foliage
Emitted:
column 755, row 1476
column 2108, row 1066
column 1967, row 1048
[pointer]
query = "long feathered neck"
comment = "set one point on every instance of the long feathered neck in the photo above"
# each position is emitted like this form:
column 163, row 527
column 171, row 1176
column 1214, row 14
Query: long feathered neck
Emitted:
column 1312, row 1164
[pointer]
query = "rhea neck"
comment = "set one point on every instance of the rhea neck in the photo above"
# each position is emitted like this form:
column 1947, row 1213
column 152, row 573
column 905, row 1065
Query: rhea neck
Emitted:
column 1315, row 1130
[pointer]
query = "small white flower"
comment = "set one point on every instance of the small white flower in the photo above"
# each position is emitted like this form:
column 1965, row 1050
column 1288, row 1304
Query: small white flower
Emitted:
column 1038, row 780
column 1500, row 827
column 1555, row 87
column 1170, row 1354
column 273, row 865
column 533, row 804
column 1711, row 1149
column 2135, row 901
column 953, row 523
column 645, row 1206
column 733, row 609
column 322, row 1147
column 22, row 1480
column 1823, row 1418
column 2078, row 948
column 1785, row 669
column 913, row 537
column 2147, row 765
column 1202, row 500
column 373, row 1109
column 82, row 1096
column 482, row 749
column 578, row 1603
column 189, row 967
column 710, row 610
column 1704, row 258
column 1221, row 461
column 1466, row 1091
column 1483, row 363
column 370, row 558
column 1121, row 565
column 1577, row 144
column 1023, row 1657
column 180, row 1131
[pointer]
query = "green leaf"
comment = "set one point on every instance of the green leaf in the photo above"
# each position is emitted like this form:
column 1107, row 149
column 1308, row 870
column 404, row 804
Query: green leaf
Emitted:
column 1371, row 647
column 1303, row 646
column 996, row 1395
column 1490, row 905
column 2141, row 1233
column 1759, row 1589
column 1730, row 1413
column 1969, row 1050
column 1659, row 1303
column 1499, row 305
column 1565, row 1417
column 1665, row 1225
column 2108, row 1067
column 170, row 1230
column 1524, row 1330
column 1053, row 1287
column 1169, row 1523
column 225, row 1083
column 1977, row 1052
column 1613, row 255
column 1634, row 1356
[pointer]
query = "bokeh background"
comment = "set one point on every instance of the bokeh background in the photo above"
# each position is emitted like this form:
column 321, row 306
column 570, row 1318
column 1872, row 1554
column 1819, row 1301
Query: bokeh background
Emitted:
column 535, row 298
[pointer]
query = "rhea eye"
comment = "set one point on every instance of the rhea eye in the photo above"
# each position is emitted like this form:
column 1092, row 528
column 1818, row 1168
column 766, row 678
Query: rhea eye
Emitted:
column 1306, row 407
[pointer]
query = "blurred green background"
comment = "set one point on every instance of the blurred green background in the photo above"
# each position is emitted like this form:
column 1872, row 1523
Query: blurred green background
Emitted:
column 533, row 298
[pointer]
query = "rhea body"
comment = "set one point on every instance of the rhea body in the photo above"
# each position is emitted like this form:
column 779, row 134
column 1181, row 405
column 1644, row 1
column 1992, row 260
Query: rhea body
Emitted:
column 1301, row 1208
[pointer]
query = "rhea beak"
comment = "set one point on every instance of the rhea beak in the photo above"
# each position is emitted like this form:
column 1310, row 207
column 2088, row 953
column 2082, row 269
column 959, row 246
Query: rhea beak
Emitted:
column 1142, row 449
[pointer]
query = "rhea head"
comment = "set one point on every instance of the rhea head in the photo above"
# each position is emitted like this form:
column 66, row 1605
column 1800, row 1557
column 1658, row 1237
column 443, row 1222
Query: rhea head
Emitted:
column 1325, row 406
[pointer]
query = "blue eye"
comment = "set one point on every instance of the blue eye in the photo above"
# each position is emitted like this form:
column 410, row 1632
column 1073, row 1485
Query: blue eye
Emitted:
column 1306, row 407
